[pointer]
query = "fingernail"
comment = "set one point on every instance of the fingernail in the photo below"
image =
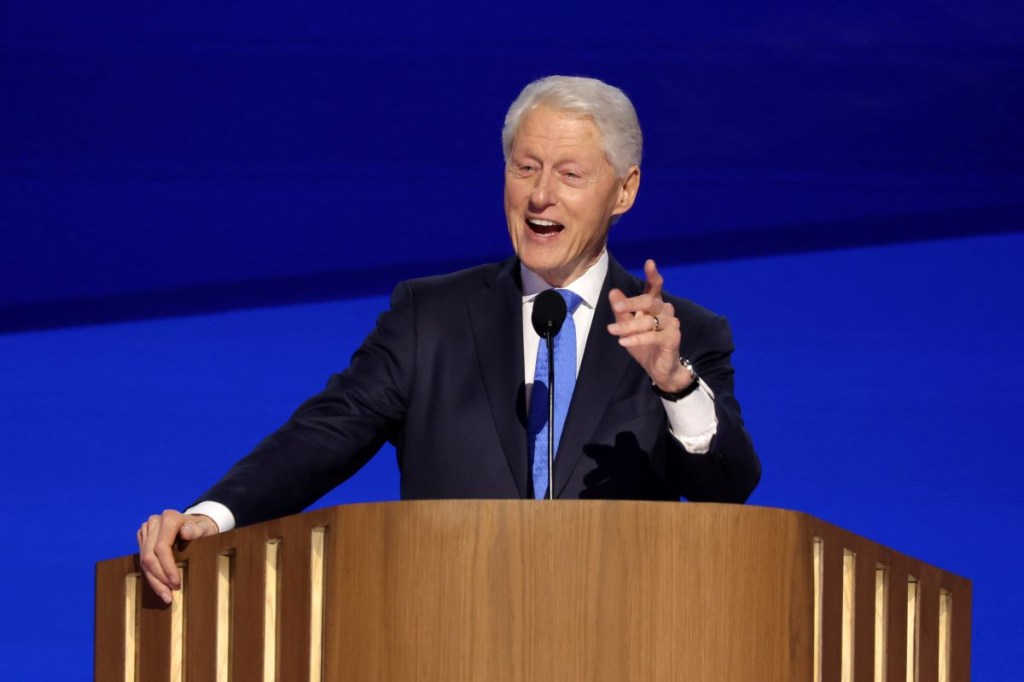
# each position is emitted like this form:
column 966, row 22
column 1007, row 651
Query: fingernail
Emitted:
column 166, row 596
column 619, row 307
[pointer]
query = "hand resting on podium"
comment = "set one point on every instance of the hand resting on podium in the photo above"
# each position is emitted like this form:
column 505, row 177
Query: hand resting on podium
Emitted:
column 157, row 537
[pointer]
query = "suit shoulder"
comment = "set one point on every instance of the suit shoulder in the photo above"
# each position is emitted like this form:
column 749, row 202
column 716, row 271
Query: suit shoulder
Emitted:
column 694, row 311
column 446, row 285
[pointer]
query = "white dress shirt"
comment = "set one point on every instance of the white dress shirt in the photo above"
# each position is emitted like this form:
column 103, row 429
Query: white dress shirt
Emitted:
column 692, row 420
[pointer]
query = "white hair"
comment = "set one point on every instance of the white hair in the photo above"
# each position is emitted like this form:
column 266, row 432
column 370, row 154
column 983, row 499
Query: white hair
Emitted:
column 605, row 105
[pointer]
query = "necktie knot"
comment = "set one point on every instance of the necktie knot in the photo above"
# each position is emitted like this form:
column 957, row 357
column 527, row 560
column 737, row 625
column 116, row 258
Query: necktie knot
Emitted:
column 571, row 298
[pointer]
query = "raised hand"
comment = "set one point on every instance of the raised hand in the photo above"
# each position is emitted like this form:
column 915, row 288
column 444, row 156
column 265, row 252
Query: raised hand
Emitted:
column 648, row 329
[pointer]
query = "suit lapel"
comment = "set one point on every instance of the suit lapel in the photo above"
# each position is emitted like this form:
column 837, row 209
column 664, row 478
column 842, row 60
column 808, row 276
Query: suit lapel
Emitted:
column 604, row 362
column 496, row 314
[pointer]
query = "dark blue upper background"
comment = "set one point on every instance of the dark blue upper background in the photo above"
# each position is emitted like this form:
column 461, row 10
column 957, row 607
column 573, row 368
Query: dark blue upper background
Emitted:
column 161, row 159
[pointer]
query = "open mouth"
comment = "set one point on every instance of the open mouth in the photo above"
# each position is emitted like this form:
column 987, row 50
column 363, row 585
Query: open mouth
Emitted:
column 544, row 227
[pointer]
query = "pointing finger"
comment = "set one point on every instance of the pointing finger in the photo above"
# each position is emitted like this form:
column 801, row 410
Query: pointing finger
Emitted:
column 654, row 279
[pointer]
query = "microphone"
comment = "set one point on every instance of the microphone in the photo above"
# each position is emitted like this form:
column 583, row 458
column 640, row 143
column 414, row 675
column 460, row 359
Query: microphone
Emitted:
column 549, row 311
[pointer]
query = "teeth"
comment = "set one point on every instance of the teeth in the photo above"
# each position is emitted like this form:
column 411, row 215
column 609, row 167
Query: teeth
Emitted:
column 542, row 223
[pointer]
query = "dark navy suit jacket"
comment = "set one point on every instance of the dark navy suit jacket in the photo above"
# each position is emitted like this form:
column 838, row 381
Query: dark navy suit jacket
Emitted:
column 441, row 376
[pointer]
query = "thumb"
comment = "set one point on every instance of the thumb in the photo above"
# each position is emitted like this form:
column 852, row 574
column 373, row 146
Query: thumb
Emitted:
column 616, row 296
column 198, row 526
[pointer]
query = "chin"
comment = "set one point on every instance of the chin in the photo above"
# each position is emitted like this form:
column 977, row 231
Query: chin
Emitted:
column 539, row 264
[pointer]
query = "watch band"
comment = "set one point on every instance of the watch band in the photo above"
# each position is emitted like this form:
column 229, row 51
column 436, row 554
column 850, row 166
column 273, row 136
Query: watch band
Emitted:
column 685, row 391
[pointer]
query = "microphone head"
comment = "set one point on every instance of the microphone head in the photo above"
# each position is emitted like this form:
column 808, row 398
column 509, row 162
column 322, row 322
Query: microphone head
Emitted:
column 549, row 312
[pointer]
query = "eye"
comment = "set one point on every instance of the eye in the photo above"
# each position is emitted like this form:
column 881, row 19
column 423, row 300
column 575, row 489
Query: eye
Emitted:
column 573, row 178
column 522, row 169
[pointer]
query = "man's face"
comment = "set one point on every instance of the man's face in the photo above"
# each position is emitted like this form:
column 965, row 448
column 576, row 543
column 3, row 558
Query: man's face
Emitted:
column 561, row 194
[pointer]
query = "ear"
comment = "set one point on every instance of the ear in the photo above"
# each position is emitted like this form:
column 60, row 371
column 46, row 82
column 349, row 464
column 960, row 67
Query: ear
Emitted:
column 628, row 187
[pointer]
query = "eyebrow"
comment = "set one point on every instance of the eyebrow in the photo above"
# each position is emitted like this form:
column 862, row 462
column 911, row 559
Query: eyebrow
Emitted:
column 558, row 162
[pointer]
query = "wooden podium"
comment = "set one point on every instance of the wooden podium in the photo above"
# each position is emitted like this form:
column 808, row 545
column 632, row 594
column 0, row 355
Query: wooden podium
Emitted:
column 537, row 590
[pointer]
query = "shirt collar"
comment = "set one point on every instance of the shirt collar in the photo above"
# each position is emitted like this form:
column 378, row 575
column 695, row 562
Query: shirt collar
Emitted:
column 587, row 286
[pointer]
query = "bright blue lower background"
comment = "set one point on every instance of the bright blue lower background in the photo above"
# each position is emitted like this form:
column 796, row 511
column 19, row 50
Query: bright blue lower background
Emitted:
column 882, row 387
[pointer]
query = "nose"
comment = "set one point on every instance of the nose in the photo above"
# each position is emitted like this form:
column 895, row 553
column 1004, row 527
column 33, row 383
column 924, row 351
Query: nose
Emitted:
column 545, row 190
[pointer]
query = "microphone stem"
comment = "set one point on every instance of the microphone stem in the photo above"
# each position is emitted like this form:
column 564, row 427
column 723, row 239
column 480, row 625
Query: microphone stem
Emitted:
column 551, row 415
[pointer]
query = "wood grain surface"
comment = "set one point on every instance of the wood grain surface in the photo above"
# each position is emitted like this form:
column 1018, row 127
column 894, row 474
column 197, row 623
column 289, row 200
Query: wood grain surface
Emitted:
column 516, row 590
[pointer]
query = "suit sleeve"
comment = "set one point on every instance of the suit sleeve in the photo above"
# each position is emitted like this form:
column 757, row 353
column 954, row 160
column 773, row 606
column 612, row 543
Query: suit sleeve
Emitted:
column 334, row 433
column 730, row 470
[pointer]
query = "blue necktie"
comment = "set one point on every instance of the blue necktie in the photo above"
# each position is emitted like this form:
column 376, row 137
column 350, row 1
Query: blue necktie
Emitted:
column 565, row 381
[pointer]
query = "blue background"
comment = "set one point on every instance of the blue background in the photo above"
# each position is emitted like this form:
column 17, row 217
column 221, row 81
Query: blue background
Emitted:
column 203, row 209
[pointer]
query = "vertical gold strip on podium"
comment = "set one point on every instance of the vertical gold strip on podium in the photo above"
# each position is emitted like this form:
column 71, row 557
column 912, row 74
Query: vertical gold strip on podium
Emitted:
column 131, row 627
column 849, row 614
column 316, row 604
column 177, row 648
column 270, row 612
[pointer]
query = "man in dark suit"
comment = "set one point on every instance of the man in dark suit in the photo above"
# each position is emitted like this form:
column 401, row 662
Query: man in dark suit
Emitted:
column 447, row 374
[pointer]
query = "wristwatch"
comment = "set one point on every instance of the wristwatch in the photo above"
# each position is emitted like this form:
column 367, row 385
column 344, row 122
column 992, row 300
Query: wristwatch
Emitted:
column 683, row 392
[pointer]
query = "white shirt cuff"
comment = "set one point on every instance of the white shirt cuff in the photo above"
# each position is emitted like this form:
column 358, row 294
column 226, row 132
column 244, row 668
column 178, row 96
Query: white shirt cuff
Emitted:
column 692, row 419
column 220, row 514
